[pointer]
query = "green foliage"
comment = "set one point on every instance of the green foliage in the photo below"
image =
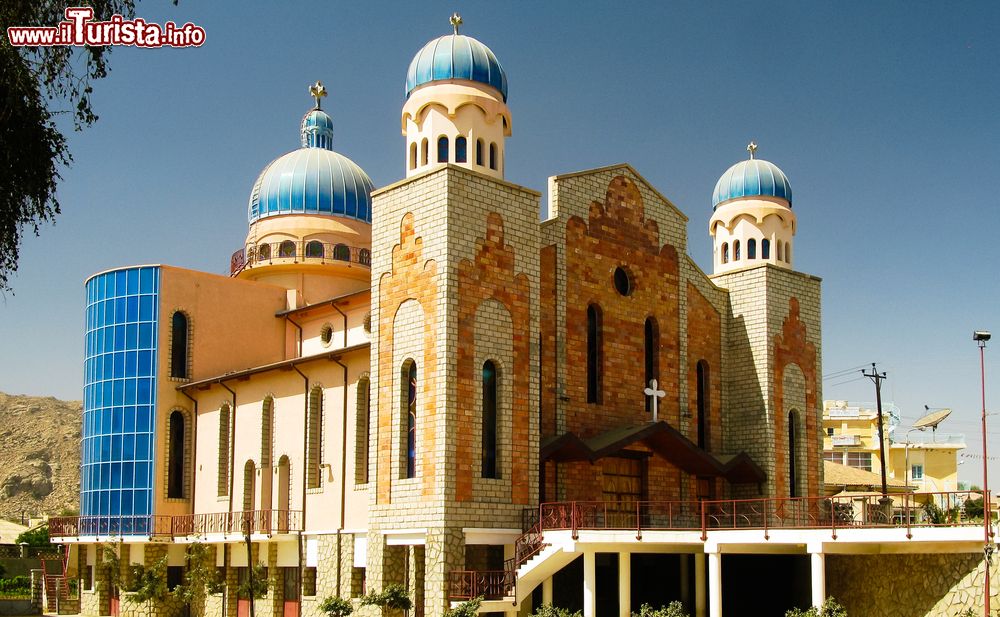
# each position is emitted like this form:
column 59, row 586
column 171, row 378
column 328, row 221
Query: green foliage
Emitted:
column 200, row 578
column 39, row 536
column 547, row 610
column 111, row 563
column 830, row 608
column 2, row 571
column 335, row 606
column 392, row 596
column 966, row 613
column 974, row 508
column 674, row 609
column 254, row 586
column 935, row 515
column 469, row 608
column 148, row 583
column 18, row 585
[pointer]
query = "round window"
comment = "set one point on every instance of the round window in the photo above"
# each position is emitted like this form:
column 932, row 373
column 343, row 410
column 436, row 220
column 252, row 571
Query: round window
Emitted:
column 623, row 281
column 326, row 334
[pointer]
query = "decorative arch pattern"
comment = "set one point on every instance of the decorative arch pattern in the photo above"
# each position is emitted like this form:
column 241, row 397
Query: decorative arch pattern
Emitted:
column 792, row 347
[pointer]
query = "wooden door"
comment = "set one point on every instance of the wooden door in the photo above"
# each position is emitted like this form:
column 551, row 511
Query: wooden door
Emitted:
column 623, row 487
column 242, row 600
column 291, row 591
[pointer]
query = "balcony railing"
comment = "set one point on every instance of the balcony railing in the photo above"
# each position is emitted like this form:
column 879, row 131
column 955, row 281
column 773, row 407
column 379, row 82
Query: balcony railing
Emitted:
column 250, row 521
column 488, row 584
column 290, row 251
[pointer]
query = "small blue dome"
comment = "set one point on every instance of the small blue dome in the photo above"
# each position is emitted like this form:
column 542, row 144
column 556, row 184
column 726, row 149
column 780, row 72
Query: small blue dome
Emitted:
column 313, row 179
column 456, row 56
column 752, row 178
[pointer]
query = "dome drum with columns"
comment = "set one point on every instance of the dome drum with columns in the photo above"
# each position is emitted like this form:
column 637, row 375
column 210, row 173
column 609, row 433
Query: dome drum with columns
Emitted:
column 753, row 223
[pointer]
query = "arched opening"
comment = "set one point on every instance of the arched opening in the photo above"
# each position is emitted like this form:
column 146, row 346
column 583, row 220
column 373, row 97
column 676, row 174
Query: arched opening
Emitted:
column 286, row 249
column 249, row 486
column 461, row 155
column 703, row 403
column 736, row 250
column 423, row 152
column 765, row 249
column 652, row 355
column 342, row 252
column 788, row 253
column 365, row 257
column 479, row 152
column 363, row 415
column 284, row 488
column 314, row 437
column 793, row 430
column 314, row 249
column 594, row 353
column 263, row 251
column 442, row 149
column 175, row 464
column 780, row 252
column 489, row 469
column 725, row 252
column 266, row 451
column 223, row 449
column 751, row 249
column 493, row 156
column 179, row 345
column 413, row 155
column 410, row 398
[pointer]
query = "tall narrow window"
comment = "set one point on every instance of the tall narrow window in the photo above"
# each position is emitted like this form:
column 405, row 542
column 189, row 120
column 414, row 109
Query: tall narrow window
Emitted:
column 410, row 374
column 652, row 349
column 423, row 152
column 594, row 355
column 725, row 252
column 479, row 152
column 179, row 345
column 224, row 445
column 266, row 432
column 249, row 487
column 788, row 252
column 736, row 250
column 490, row 420
column 175, row 465
column 493, row 156
column 363, row 414
column 751, row 249
column 284, row 492
column 413, row 155
column 314, row 437
column 704, row 403
column 442, row 149
column 792, row 447
column 460, row 150
column 765, row 249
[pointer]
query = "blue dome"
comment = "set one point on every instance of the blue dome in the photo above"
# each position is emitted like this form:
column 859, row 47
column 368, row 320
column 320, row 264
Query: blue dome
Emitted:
column 752, row 178
column 313, row 179
column 456, row 56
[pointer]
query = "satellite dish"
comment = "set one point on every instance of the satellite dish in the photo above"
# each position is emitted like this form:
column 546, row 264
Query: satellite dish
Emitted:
column 932, row 419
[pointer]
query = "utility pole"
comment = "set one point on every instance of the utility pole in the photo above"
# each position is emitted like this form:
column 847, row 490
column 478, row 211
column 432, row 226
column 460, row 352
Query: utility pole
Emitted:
column 877, row 378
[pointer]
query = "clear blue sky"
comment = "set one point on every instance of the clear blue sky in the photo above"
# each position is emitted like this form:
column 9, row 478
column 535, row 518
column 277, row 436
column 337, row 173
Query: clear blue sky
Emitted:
column 883, row 115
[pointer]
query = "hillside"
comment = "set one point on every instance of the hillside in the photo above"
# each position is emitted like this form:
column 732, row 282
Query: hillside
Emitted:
column 39, row 455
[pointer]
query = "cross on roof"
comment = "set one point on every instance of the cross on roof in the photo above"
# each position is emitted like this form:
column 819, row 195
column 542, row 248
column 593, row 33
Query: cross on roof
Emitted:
column 317, row 91
column 657, row 394
column 752, row 149
column 455, row 21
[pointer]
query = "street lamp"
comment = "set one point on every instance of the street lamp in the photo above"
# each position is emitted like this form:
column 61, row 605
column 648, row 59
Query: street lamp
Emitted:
column 981, row 336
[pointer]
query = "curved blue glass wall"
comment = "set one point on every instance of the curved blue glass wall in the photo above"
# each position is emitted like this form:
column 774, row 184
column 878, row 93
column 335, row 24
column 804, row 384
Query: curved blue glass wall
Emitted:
column 116, row 474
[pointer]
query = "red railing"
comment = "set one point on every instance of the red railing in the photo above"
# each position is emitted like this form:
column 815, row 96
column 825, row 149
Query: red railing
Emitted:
column 76, row 526
column 252, row 521
column 488, row 584
column 312, row 251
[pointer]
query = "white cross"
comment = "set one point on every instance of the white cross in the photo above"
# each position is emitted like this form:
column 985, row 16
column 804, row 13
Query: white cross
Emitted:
column 657, row 395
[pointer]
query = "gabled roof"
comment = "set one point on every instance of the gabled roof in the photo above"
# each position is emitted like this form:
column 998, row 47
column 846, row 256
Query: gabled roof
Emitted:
column 835, row 474
column 661, row 438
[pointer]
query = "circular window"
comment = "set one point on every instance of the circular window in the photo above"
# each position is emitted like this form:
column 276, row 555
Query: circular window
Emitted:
column 326, row 334
column 623, row 281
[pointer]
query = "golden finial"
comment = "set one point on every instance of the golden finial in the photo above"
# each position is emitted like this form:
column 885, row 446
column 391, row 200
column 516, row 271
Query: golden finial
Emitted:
column 455, row 21
column 752, row 149
column 318, row 91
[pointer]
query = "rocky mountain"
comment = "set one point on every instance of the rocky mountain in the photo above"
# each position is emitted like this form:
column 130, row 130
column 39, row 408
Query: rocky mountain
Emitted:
column 39, row 455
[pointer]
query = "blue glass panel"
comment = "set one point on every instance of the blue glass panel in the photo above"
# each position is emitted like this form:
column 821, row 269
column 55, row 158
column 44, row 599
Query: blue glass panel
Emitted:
column 146, row 279
column 120, row 289
column 129, row 425
column 145, row 335
column 144, row 389
column 141, row 447
column 141, row 419
column 132, row 308
column 132, row 276
column 130, row 391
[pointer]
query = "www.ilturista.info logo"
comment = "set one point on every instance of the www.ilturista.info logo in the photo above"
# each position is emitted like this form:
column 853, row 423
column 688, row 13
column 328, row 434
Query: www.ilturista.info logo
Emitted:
column 79, row 29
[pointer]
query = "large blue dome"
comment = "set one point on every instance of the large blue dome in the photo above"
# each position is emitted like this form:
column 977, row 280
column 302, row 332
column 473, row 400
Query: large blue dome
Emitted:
column 456, row 56
column 752, row 178
column 313, row 179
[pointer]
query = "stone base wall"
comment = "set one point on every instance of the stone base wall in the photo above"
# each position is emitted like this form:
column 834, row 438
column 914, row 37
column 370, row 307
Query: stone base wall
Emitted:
column 927, row 585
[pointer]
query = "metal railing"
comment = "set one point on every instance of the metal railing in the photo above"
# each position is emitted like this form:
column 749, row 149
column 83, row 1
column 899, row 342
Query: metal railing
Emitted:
column 76, row 526
column 250, row 521
column 488, row 584
column 312, row 251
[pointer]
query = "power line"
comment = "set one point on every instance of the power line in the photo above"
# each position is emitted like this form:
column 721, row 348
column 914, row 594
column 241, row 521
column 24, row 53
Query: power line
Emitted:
column 845, row 371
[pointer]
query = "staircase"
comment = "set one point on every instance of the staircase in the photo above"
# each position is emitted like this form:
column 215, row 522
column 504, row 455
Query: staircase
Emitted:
column 55, row 590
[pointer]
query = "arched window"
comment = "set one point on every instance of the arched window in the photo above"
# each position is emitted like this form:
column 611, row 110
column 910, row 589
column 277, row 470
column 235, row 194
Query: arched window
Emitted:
column 266, row 432
column 479, row 152
column 179, row 345
column 704, row 403
column 365, row 257
column 286, row 249
column 652, row 354
column 594, row 354
column 249, row 488
column 493, row 156
column 788, row 252
column 423, row 152
column 725, row 252
column 224, row 444
column 793, row 419
column 175, row 452
column 751, row 249
column 490, row 420
column 284, row 492
column 410, row 392
column 413, row 155
column 363, row 415
column 442, row 149
column 736, row 250
column 780, row 252
column 314, row 249
column 314, row 437
column 342, row 252
column 765, row 249
column 263, row 251
column 461, row 155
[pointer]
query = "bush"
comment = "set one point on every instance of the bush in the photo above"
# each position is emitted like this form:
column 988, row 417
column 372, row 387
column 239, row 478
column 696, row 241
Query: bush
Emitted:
column 336, row 606
column 39, row 536
column 674, row 609
column 830, row 608
column 469, row 608
column 974, row 508
column 547, row 610
column 392, row 596
column 935, row 515
column 15, row 585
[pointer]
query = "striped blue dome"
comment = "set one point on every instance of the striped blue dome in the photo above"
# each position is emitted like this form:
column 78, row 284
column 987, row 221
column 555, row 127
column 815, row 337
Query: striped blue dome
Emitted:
column 752, row 178
column 456, row 56
column 313, row 179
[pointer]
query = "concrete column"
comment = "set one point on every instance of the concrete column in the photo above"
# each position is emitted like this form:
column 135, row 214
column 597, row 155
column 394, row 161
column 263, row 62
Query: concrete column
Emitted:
column 547, row 591
column 589, row 584
column 685, row 582
column 624, row 584
column 818, row 572
column 699, row 585
column 715, row 585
